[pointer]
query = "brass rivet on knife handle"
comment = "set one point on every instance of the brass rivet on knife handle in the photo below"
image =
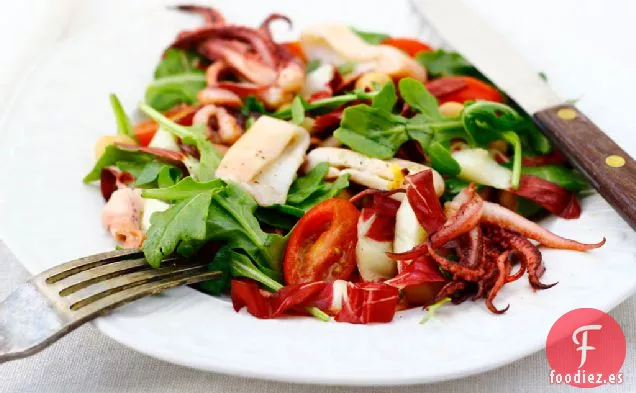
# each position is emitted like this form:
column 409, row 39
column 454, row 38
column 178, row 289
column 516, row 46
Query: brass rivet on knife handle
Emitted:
column 615, row 161
column 566, row 113
column 610, row 170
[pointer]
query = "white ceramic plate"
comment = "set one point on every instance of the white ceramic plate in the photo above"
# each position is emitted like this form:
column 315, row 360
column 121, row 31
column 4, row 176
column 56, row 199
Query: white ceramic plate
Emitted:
column 48, row 216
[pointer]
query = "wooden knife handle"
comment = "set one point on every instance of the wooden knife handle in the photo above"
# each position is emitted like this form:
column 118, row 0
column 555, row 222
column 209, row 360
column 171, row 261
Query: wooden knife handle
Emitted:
column 610, row 170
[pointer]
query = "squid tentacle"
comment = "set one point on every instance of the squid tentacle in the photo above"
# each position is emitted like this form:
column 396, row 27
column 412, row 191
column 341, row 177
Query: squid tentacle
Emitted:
column 520, row 272
column 211, row 16
column 265, row 25
column 503, row 266
column 500, row 216
column 466, row 218
column 454, row 268
column 528, row 251
column 449, row 289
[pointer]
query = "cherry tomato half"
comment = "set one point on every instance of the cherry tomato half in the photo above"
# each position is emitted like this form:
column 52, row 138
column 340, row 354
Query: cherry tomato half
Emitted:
column 462, row 89
column 322, row 245
column 295, row 49
column 182, row 114
column 408, row 45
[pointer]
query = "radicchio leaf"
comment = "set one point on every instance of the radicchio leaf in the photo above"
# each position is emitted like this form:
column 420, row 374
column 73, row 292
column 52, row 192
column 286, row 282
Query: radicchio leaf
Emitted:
column 327, row 122
column 420, row 192
column 171, row 156
column 368, row 303
column 443, row 86
column 363, row 303
column 554, row 158
column 111, row 179
column 555, row 199
column 421, row 270
column 384, row 209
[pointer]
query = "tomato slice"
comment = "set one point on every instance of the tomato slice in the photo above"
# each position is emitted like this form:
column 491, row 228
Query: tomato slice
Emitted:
column 145, row 131
column 295, row 49
column 322, row 245
column 408, row 45
column 182, row 114
column 462, row 89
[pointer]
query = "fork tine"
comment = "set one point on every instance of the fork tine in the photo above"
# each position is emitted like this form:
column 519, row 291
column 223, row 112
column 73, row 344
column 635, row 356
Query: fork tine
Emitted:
column 75, row 282
column 107, row 287
column 81, row 280
column 79, row 265
column 127, row 295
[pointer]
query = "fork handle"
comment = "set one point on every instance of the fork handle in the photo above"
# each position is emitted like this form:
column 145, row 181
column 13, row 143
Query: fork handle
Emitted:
column 30, row 322
column 610, row 170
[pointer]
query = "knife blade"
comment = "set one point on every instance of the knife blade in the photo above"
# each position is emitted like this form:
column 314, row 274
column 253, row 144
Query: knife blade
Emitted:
column 462, row 29
column 610, row 170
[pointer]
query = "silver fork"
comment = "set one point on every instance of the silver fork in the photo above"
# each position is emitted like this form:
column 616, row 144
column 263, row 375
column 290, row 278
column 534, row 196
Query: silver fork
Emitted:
column 53, row 303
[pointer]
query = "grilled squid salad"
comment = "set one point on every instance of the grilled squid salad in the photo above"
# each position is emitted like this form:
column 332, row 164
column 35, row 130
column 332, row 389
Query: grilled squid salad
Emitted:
column 345, row 175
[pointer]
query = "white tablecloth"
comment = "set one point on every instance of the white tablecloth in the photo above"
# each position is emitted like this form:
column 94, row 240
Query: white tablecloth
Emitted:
column 87, row 361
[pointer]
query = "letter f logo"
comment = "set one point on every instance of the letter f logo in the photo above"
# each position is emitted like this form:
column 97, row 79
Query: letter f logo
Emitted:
column 583, row 344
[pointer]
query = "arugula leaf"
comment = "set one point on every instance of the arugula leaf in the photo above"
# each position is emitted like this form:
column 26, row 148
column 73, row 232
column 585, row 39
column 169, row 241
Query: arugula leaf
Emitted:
column 169, row 176
column 486, row 121
column 561, row 176
column 324, row 191
column 378, row 133
column 288, row 209
column 235, row 264
column 222, row 262
column 231, row 218
column 252, row 105
column 184, row 189
column 151, row 171
column 454, row 186
column 312, row 66
column 164, row 93
column 371, row 37
column 178, row 79
column 203, row 169
column 124, row 127
column 145, row 173
column 207, row 212
column 305, row 192
column 242, row 266
column 532, row 139
column 132, row 167
column 373, row 131
column 177, row 61
column 386, row 98
column 298, row 111
column 182, row 222
column 325, row 105
column 415, row 94
column 304, row 186
column 113, row 155
column 512, row 138
column 432, row 309
column 443, row 63
column 442, row 160
column 275, row 218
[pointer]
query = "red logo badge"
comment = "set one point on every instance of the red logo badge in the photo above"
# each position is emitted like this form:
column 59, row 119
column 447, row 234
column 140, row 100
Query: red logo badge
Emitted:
column 586, row 348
